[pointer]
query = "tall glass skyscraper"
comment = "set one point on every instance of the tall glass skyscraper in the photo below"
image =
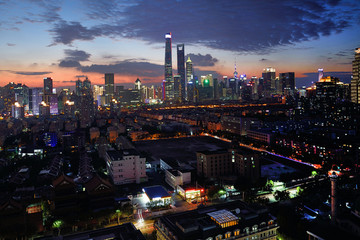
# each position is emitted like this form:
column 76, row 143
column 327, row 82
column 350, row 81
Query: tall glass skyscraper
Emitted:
column 109, row 87
column 355, row 81
column 48, row 85
column 181, row 69
column 169, row 82
column 189, row 80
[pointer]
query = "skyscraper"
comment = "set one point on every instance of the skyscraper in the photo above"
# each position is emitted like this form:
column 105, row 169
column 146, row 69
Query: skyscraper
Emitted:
column 109, row 87
column 320, row 74
column 355, row 81
column 169, row 83
column 181, row 69
column 189, row 80
column 287, row 83
column 48, row 85
column 269, row 76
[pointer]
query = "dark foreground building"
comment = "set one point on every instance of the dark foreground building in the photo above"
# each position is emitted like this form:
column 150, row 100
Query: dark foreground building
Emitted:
column 234, row 220
column 125, row 231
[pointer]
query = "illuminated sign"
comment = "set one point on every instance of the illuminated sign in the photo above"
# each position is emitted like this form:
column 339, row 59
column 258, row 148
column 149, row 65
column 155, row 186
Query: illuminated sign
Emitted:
column 168, row 35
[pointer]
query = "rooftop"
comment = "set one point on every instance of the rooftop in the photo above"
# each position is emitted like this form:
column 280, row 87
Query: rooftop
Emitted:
column 156, row 192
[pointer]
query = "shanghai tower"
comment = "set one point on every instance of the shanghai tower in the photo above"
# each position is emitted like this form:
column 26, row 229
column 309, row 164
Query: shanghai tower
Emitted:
column 169, row 83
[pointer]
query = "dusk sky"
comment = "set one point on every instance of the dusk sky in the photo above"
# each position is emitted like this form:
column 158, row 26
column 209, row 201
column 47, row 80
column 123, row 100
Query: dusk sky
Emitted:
column 65, row 39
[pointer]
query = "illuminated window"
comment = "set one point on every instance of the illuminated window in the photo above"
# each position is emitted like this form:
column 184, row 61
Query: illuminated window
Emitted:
column 227, row 235
column 237, row 232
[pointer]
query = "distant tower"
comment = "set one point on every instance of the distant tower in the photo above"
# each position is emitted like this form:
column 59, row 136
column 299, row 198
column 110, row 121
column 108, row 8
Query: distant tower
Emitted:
column 48, row 85
column 333, row 179
column 181, row 69
column 321, row 74
column 235, row 73
column 189, row 80
column 269, row 77
column 109, row 87
column 138, row 84
column 355, row 81
column 169, row 83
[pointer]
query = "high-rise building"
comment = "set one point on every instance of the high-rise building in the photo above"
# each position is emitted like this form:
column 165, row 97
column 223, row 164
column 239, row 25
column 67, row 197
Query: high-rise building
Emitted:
column 48, row 85
column 137, row 84
column 320, row 74
column 287, row 83
column 177, row 88
column 355, row 81
column 181, row 69
column 169, row 83
column 35, row 98
column 189, row 78
column 269, row 76
column 109, row 87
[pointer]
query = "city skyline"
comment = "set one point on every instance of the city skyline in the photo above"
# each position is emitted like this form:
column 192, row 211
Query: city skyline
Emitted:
column 63, row 40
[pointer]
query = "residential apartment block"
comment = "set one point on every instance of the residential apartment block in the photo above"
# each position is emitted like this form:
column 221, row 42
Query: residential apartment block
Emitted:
column 125, row 166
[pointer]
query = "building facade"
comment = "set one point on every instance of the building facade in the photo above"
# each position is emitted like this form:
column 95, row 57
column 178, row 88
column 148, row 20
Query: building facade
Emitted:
column 169, row 82
column 181, row 69
column 125, row 166
column 240, row 162
column 355, row 81
column 109, row 87
column 234, row 220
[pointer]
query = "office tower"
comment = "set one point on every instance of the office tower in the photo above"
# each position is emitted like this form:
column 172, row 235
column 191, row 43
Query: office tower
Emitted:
column 181, row 69
column 169, row 83
column 216, row 89
column 287, row 83
column 85, row 104
column 320, row 74
column 35, row 98
column 17, row 111
column 87, row 85
column 78, row 87
column 48, row 86
column 189, row 78
column 53, row 103
column 177, row 88
column 109, row 88
column 355, row 81
column 269, row 76
column 137, row 84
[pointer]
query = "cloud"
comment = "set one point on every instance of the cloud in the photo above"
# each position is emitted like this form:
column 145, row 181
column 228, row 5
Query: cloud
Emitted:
column 263, row 60
column 26, row 73
column 69, row 81
column 145, row 69
column 76, row 55
column 73, row 58
column 69, row 63
column 199, row 73
column 11, row 44
column 229, row 25
column 67, row 32
column 202, row 60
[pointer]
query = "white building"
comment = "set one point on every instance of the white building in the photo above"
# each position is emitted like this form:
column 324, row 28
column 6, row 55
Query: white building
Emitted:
column 177, row 177
column 125, row 166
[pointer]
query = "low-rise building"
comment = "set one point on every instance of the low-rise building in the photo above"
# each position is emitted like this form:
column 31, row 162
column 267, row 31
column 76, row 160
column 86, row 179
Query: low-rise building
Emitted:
column 125, row 166
column 234, row 220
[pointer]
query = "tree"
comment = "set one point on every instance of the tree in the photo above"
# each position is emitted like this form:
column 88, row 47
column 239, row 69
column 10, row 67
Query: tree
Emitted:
column 281, row 195
column 213, row 192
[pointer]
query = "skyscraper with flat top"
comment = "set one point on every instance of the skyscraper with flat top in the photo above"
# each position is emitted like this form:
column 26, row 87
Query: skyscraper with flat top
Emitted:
column 169, row 82
column 355, row 81
column 109, row 87
column 48, row 85
column 181, row 69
